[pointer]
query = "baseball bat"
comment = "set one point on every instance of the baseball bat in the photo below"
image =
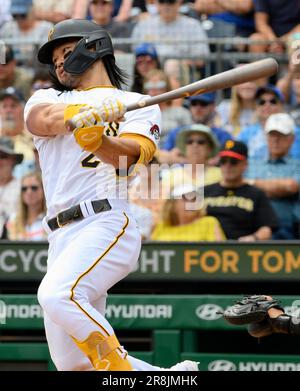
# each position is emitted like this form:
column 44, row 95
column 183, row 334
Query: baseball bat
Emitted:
column 227, row 79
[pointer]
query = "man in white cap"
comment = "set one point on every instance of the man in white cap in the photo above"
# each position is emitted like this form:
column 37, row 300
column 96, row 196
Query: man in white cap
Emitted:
column 279, row 175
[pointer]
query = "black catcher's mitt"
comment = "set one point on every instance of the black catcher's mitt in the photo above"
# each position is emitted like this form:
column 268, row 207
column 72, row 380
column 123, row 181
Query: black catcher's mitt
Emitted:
column 250, row 309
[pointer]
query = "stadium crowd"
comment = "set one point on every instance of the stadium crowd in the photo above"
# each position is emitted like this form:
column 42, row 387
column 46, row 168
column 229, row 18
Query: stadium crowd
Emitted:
column 225, row 168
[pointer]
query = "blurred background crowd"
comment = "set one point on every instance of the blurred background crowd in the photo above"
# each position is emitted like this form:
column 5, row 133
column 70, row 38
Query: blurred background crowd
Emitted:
column 246, row 140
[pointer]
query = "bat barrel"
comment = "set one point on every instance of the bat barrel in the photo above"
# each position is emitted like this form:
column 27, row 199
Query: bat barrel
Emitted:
column 227, row 79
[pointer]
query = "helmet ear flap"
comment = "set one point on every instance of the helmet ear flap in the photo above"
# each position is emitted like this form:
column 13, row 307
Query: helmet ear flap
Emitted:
column 82, row 57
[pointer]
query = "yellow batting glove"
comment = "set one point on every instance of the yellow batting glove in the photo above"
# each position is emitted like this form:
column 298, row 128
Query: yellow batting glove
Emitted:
column 111, row 110
column 86, row 118
column 89, row 138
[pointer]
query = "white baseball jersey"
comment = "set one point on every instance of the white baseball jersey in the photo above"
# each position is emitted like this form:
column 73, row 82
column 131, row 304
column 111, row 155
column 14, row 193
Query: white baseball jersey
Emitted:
column 72, row 175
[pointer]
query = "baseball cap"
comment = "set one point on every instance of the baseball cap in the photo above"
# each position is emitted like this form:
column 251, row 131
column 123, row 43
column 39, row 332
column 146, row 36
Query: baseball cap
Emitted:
column 208, row 97
column 146, row 49
column 7, row 146
column 234, row 149
column 20, row 7
column 12, row 93
column 269, row 88
column 196, row 128
column 280, row 122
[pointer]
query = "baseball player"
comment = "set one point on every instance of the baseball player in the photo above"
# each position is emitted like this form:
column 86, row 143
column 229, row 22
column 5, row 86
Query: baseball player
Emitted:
column 93, row 239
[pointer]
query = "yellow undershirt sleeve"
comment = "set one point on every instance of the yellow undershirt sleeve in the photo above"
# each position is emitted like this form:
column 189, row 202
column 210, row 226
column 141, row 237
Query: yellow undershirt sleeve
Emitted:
column 147, row 150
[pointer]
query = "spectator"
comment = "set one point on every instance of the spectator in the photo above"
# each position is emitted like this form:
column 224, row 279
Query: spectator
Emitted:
column 55, row 11
column 275, row 20
column 5, row 15
column 13, row 76
column 145, row 197
column 9, row 185
column 243, row 210
column 125, row 10
column 239, row 111
column 12, row 125
column 101, row 13
column 182, row 222
column 26, row 224
column 202, row 108
column 24, row 28
column 279, row 175
column 234, row 12
column 170, row 24
column 269, row 100
column 146, row 59
column 157, row 82
column 289, row 84
column 196, row 143
column 41, row 80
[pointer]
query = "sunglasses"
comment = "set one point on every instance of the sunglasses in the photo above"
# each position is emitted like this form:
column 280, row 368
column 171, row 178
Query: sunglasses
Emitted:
column 198, row 141
column 20, row 16
column 262, row 102
column 155, row 85
column 189, row 197
column 200, row 103
column 4, row 156
column 229, row 160
column 40, row 85
column 167, row 1
column 32, row 188
column 144, row 60
column 94, row 2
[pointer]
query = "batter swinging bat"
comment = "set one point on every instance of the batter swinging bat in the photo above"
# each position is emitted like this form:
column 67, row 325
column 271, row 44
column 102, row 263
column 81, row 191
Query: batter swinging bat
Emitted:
column 249, row 72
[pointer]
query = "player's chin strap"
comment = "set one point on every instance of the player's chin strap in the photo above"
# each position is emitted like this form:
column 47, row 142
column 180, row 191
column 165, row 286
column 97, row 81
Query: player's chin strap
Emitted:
column 104, row 353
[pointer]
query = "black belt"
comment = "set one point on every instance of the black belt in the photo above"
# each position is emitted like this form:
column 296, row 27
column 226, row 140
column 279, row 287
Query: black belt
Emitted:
column 75, row 214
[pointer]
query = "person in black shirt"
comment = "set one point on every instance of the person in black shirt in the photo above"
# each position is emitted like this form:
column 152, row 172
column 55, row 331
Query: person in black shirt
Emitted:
column 243, row 210
column 275, row 20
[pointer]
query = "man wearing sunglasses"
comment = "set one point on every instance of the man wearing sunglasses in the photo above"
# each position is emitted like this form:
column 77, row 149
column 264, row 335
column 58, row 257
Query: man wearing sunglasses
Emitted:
column 101, row 12
column 202, row 109
column 269, row 100
column 243, row 210
column 279, row 175
column 13, row 76
column 9, row 185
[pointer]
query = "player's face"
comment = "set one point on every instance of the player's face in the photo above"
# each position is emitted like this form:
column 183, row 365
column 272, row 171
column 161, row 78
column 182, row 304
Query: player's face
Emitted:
column 60, row 54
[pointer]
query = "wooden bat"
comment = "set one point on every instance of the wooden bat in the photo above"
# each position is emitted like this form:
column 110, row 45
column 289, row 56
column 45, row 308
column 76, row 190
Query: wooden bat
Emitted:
column 227, row 79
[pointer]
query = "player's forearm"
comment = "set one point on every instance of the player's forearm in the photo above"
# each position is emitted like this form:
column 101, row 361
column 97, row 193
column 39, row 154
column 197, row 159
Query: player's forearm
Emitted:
column 277, row 188
column 47, row 120
column 120, row 153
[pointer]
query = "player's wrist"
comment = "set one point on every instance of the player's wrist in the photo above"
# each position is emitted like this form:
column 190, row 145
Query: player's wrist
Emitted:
column 89, row 138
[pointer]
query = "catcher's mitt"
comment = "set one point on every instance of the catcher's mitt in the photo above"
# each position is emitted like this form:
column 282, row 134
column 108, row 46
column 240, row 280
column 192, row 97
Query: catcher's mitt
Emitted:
column 250, row 309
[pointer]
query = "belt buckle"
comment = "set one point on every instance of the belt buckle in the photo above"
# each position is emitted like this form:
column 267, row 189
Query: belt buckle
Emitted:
column 59, row 223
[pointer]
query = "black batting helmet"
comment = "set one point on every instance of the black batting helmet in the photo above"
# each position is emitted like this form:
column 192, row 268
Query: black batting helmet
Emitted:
column 89, row 34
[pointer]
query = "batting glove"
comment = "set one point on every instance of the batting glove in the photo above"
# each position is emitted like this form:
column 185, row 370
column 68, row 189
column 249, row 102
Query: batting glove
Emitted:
column 111, row 110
